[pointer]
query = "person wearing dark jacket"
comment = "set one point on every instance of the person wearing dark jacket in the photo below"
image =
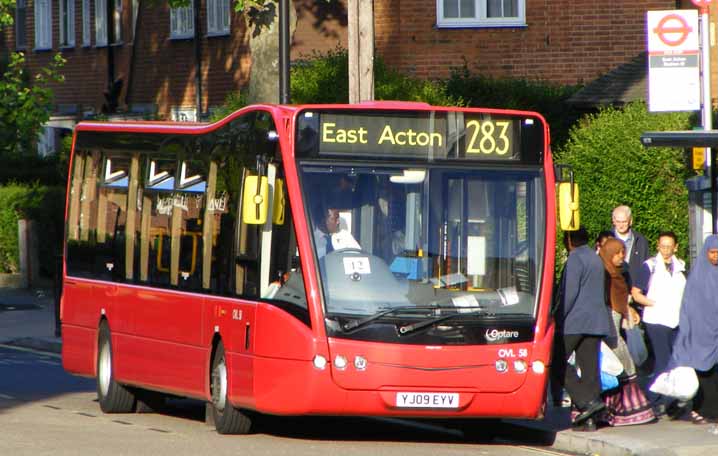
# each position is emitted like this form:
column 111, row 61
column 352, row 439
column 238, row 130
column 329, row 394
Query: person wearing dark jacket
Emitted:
column 637, row 248
column 582, row 320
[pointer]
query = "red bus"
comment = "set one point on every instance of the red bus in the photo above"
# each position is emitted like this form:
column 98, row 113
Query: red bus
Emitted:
column 378, row 259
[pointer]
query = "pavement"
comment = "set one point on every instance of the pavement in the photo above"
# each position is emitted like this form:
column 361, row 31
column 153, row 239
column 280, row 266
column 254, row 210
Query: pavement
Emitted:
column 27, row 320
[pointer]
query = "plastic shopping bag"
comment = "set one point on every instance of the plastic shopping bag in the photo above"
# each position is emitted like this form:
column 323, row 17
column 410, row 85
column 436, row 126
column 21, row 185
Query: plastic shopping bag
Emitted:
column 608, row 381
column 610, row 364
column 636, row 345
column 680, row 382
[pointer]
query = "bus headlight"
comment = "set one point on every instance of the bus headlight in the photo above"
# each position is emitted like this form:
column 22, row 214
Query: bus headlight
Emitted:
column 538, row 367
column 520, row 366
column 501, row 365
column 359, row 363
column 340, row 362
column 320, row 362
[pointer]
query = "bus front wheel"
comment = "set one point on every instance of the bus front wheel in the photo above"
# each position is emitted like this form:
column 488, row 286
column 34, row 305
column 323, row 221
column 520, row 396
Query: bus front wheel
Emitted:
column 113, row 397
column 227, row 418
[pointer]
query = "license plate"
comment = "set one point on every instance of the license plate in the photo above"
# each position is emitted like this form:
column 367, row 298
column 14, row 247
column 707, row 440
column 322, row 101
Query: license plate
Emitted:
column 427, row 400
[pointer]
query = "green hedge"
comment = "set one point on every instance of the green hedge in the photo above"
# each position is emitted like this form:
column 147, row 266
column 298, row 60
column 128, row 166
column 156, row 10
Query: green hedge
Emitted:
column 324, row 78
column 51, row 170
column 545, row 98
column 612, row 167
column 44, row 205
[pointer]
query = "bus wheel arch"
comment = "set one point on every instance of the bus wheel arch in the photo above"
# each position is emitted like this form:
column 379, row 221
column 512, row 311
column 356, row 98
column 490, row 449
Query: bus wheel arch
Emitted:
column 112, row 396
column 227, row 418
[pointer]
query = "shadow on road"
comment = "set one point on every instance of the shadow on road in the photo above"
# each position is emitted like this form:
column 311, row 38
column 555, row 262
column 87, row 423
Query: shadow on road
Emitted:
column 324, row 428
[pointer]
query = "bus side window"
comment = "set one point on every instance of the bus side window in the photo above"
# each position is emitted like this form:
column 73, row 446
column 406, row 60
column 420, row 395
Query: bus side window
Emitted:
column 82, row 215
column 112, row 218
column 171, row 220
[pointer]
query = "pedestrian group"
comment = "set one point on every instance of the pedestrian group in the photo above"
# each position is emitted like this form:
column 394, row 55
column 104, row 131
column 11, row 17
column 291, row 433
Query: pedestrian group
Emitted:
column 616, row 305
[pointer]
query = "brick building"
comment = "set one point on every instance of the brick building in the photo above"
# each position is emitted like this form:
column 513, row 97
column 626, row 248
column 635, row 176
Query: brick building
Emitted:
column 152, row 53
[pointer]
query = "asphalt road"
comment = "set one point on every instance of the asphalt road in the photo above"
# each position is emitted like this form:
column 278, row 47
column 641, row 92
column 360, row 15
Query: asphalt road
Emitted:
column 45, row 411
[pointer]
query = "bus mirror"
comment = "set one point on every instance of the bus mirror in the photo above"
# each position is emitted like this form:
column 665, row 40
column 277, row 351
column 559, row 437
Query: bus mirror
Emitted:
column 279, row 202
column 568, row 212
column 255, row 201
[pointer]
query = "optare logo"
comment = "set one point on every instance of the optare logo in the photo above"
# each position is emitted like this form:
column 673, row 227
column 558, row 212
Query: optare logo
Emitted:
column 492, row 335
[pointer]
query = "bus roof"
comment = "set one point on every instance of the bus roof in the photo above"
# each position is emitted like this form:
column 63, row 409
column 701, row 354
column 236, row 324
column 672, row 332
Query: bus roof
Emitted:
column 174, row 127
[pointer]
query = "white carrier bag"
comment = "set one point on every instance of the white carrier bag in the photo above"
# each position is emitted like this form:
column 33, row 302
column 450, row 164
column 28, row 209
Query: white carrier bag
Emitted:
column 680, row 382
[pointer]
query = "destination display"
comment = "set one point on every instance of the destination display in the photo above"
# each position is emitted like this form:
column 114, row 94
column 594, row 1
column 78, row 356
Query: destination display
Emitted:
column 431, row 135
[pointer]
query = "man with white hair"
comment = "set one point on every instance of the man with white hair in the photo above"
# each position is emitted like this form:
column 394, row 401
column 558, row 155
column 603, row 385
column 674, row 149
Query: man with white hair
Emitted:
column 637, row 250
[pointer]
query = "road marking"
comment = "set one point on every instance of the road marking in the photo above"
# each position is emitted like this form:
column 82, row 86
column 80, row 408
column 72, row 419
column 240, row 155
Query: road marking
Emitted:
column 31, row 350
column 5, row 396
column 540, row 450
column 126, row 423
column 52, row 363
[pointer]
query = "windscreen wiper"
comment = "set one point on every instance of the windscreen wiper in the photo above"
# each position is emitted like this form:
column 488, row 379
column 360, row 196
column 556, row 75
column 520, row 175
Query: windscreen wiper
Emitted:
column 355, row 324
column 406, row 329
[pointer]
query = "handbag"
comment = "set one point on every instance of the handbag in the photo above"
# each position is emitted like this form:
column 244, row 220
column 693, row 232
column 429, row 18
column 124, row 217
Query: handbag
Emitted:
column 636, row 345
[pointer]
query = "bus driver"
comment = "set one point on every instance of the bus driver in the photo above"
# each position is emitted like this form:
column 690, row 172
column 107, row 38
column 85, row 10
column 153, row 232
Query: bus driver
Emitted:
column 332, row 234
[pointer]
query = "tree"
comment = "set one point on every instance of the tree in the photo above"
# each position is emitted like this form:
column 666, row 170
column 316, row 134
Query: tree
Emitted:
column 25, row 102
column 6, row 9
column 612, row 167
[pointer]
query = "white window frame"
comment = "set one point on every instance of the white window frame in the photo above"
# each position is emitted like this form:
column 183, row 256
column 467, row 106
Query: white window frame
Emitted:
column 67, row 34
column 481, row 19
column 217, row 10
column 182, row 22
column 100, row 23
column 86, row 24
column 21, row 24
column 43, row 24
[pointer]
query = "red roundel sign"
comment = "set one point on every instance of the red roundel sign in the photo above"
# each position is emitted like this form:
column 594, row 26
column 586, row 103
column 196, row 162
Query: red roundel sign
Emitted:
column 702, row 3
column 672, row 30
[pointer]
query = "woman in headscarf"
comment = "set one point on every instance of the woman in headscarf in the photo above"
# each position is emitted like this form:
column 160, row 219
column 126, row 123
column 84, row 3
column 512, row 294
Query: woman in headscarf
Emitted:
column 696, row 343
column 626, row 404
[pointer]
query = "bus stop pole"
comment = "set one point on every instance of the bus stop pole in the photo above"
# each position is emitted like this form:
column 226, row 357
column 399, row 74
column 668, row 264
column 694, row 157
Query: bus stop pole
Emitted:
column 707, row 112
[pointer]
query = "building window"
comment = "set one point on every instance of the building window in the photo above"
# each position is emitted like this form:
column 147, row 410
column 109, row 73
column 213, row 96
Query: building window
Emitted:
column 481, row 13
column 86, row 28
column 218, row 17
column 117, row 22
column 20, row 24
column 67, row 23
column 182, row 22
column 43, row 24
column 100, row 23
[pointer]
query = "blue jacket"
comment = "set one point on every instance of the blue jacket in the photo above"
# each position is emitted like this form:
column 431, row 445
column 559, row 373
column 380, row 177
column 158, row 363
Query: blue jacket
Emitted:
column 582, row 308
column 640, row 252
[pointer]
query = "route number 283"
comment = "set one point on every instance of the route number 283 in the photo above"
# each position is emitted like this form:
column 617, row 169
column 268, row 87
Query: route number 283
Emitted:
column 488, row 137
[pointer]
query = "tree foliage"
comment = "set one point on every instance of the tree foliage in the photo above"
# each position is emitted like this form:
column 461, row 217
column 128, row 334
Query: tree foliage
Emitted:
column 25, row 103
column 7, row 7
column 507, row 93
column 612, row 168
column 40, row 203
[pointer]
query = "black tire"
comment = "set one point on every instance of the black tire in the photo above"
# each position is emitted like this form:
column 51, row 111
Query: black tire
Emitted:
column 227, row 419
column 113, row 397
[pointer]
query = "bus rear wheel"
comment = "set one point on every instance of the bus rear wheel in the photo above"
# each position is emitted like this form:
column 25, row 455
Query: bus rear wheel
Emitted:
column 113, row 397
column 227, row 418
